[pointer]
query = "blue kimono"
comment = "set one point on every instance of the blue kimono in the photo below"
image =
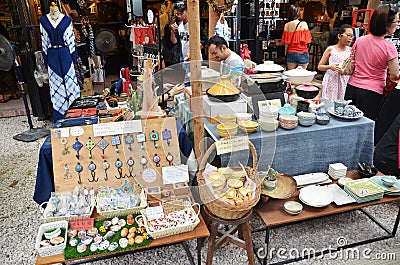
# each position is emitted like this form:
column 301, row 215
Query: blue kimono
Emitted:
column 59, row 53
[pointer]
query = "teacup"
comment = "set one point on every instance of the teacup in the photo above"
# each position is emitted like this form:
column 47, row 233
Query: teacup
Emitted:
column 339, row 106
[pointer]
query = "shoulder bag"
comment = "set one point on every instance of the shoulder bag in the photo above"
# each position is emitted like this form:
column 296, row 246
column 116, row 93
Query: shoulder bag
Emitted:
column 348, row 65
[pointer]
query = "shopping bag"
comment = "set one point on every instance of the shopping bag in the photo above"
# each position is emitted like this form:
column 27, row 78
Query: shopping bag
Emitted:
column 390, row 85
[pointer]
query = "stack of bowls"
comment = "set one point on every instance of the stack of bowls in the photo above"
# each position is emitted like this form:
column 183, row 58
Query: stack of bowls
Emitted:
column 227, row 129
column 269, row 112
column 269, row 118
column 288, row 121
column 227, row 118
column 248, row 126
column 243, row 117
column 268, row 125
column 306, row 118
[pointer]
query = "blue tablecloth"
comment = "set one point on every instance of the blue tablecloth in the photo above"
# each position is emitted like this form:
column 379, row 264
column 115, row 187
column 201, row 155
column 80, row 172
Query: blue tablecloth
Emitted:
column 45, row 178
column 307, row 149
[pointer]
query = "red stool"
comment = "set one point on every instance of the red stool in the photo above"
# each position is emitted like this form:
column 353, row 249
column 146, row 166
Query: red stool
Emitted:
column 241, row 226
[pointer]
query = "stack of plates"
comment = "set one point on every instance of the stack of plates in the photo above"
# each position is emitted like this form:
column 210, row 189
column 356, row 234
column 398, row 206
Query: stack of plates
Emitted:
column 337, row 170
column 392, row 190
column 316, row 196
column 293, row 207
column 364, row 190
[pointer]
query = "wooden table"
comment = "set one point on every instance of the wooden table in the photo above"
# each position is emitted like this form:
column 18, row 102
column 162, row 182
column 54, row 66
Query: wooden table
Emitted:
column 199, row 232
column 273, row 216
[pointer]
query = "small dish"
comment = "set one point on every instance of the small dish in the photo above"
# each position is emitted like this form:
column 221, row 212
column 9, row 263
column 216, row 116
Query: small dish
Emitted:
column 293, row 207
column 343, row 181
column 388, row 181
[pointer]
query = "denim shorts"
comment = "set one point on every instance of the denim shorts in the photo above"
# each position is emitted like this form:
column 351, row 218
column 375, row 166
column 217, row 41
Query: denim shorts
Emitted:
column 297, row 58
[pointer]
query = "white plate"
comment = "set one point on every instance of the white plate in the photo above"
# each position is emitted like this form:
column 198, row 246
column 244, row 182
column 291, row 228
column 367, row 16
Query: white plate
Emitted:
column 316, row 196
column 332, row 112
column 311, row 178
column 340, row 197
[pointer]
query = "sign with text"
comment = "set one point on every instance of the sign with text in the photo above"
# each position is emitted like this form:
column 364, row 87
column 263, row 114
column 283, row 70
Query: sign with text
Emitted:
column 175, row 174
column 233, row 144
column 154, row 212
column 81, row 223
column 114, row 128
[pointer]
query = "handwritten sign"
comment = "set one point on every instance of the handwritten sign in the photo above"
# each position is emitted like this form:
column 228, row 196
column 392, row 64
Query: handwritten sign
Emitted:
column 113, row 128
column 154, row 212
column 81, row 223
column 231, row 145
column 175, row 174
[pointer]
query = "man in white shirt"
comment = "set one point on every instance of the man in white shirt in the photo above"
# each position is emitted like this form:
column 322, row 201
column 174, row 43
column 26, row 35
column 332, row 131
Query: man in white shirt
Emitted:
column 219, row 49
column 180, row 35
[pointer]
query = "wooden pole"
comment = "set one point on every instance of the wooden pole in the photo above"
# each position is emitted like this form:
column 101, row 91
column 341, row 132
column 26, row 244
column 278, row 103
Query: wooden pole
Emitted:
column 213, row 17
column 195, row 77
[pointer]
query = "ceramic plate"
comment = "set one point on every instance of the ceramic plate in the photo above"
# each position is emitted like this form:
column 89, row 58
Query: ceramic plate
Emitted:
column 311, row 178
column 393, row 190
column 332, row 112
column 316, row 196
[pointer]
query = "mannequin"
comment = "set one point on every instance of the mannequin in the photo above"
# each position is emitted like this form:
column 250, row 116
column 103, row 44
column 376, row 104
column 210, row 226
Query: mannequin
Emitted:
column 60, row 56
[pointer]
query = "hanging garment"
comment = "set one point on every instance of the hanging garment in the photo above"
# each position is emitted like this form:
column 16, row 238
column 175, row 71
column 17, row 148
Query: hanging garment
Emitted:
column 91, row 41
column 59, row 53
column 145, row 34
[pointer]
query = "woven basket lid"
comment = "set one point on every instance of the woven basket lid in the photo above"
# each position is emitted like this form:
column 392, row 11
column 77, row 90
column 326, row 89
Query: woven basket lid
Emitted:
column 285, row 187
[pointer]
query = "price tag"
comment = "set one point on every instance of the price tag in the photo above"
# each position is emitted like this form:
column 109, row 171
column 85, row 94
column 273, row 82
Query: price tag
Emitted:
column 154, row 212
column 231, row 145
column 81, row 224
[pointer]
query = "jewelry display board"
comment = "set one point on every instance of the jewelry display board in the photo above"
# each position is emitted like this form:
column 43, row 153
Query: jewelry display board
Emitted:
column 107, row 154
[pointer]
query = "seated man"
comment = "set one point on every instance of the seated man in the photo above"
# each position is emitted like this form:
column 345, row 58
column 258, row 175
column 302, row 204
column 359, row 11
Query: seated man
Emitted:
column 219, row 49
column 386, row 155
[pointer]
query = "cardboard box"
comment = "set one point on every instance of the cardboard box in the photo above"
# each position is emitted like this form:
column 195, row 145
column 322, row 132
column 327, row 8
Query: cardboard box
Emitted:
column 214, row 108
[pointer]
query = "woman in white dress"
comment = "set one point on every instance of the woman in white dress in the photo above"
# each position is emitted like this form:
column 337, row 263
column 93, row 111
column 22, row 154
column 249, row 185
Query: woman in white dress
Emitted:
column 334, row 84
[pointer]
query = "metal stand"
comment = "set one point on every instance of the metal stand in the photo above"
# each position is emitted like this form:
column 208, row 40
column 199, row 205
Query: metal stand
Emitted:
column 32, row 134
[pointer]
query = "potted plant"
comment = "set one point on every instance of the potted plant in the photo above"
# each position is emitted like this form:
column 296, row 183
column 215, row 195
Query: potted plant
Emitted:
column 270, row 179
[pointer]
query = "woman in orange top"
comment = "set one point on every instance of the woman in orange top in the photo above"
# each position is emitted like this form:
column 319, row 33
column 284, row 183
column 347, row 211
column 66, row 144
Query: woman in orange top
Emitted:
column 296, row 37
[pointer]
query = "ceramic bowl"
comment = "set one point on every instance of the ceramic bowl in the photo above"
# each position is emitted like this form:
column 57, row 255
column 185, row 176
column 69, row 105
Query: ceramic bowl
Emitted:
column 243, row 117
column 306, row 118
column 288, row 121
column 227, row 129
column 269, row 125
column 248, row 126
column 388, row 181
column 293, row 207
column 225, row 118
column 366, row 170
column 323, row 118
column 269, row 110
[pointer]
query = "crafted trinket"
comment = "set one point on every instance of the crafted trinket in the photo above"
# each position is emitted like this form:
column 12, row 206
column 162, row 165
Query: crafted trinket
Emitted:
column 77, row 146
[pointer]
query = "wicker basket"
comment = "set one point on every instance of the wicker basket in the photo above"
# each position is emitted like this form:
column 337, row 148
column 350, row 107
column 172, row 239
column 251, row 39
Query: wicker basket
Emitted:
column 122, row 212
column 53, row 250
column 175, row 230
column 218, row 207
column 60, row 218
